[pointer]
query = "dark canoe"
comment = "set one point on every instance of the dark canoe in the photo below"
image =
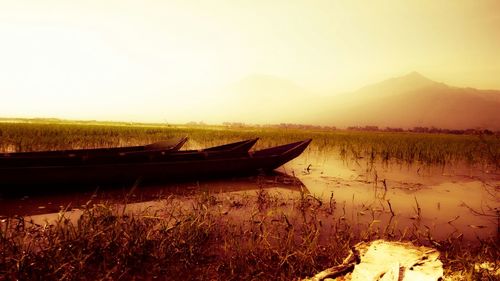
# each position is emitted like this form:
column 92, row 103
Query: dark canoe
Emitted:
column 172, row 144
column 170, row 167
column 152, row 152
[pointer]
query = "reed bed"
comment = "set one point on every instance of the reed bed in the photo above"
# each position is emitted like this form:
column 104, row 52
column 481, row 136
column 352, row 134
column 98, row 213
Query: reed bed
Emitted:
column 441, row 149
column 258, row 236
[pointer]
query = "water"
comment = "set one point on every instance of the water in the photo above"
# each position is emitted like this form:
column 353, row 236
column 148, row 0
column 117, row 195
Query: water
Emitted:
column 445, row 201
column 453, row 200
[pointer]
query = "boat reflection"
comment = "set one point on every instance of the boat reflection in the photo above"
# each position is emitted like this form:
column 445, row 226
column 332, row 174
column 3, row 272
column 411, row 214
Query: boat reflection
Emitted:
column 36, row 203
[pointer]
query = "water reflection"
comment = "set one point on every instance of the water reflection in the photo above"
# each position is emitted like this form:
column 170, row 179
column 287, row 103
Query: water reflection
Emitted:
column 44, row 203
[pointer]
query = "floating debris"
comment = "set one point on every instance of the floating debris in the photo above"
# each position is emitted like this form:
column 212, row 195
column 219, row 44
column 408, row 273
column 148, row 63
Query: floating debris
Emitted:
column 488, row 266
column 386, row 261
column 476, row 226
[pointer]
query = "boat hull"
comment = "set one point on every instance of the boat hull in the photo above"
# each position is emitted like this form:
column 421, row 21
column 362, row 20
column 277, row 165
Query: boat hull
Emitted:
column 118, row 155
column 212, row 164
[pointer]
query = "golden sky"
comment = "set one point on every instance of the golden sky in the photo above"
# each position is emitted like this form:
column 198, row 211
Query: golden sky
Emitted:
column 163, row 60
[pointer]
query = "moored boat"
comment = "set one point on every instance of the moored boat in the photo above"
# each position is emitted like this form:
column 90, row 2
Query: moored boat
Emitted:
column 170, row 166
column 150, row 152
column 173, row 144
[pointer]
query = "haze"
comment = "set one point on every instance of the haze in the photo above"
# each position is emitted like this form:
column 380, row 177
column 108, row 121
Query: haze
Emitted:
column 180, row 61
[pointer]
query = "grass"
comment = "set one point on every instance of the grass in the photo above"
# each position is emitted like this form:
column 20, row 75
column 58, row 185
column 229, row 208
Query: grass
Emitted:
column 406, row 147
column 263, row 236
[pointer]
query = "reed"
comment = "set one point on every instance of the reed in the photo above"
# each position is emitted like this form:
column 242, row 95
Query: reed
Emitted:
column 258, row 236
column 404, row 147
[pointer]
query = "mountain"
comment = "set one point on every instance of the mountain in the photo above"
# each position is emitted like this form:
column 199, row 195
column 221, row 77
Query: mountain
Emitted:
column 408, row 101
column 414, row 100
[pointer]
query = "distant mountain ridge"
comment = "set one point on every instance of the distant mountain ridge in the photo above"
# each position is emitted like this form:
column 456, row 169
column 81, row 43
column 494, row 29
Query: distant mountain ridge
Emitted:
column 408, row 101
column 411, row 81
column 414, row 100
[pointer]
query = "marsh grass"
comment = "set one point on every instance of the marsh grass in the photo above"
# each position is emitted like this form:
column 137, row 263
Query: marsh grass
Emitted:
column 442, row 149
column 261, row 236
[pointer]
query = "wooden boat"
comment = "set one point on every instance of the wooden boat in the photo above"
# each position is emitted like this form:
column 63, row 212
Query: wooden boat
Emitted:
column 113, row 155
column 168, row 145
column 170, row 166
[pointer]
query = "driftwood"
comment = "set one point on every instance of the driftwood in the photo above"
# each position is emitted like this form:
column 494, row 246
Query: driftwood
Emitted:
column 386, row 261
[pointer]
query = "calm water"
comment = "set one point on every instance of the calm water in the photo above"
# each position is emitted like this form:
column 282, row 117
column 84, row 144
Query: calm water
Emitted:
column 443, row 200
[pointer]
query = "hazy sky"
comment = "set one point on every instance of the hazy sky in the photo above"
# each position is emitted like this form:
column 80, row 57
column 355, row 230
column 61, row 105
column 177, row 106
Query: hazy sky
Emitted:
column 158, row 60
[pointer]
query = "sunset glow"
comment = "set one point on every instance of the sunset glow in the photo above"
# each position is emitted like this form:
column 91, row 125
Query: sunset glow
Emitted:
column 174, row 61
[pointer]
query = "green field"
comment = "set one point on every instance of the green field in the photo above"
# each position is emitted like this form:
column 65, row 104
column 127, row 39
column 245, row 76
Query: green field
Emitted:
column 401, row 146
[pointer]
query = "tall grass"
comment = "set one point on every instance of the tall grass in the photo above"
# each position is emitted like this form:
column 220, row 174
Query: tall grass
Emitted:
column 406, row 147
